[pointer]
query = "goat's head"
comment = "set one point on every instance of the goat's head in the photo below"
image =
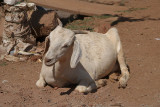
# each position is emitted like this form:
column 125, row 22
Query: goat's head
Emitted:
column 57, row 44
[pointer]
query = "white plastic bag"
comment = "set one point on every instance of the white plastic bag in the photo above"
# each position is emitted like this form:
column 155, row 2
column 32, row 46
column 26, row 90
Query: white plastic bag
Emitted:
column 10, row 2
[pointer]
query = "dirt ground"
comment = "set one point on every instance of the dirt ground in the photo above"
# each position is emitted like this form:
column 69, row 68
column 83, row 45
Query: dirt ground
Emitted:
column 139, row 29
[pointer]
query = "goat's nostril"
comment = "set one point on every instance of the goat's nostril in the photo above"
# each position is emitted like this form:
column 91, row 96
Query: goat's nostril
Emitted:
column 47, row 60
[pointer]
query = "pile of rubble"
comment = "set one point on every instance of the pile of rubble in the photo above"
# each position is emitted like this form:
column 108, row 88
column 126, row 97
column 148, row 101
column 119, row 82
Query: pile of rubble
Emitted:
column 22, row 28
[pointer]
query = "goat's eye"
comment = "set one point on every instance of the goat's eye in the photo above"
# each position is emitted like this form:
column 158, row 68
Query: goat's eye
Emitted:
column 65, row 46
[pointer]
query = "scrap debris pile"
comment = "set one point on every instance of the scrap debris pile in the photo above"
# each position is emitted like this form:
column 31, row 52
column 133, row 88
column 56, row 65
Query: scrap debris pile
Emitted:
column 18, row 42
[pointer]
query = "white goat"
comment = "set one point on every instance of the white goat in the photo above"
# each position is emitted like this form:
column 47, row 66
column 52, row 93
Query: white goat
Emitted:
column 81, row 59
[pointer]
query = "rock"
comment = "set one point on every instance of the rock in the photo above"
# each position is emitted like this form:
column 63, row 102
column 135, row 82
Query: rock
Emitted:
column 66, row 16
column 157, row 38
column 2, row 50
column 4, row 81
column 16, row 25
column 43, row 22
column 15, row 59
column 11, row 58
column 23, row 59
column 49, row 22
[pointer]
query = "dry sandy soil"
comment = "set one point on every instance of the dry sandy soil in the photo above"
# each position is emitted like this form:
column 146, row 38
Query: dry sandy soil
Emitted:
column 138, row 31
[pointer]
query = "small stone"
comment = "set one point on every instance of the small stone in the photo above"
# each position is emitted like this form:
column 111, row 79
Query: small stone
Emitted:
column 5, row 81
column 49, row 101
column 55, row 88
column 157, row 38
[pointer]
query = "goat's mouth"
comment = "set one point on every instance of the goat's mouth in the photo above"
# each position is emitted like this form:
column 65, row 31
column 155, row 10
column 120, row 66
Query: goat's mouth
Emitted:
column 50, row 62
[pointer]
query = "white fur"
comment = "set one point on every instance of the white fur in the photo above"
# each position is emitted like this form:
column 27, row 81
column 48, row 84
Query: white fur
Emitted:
column 82, row 59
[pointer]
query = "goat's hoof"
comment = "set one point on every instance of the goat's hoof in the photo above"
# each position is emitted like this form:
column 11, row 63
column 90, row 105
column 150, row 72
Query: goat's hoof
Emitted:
column 122, row 83
column 81, row 89
column 40, row 83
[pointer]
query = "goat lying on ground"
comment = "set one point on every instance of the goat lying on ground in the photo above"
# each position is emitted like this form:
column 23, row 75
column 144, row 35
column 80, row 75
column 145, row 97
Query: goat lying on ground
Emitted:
column 81, row 59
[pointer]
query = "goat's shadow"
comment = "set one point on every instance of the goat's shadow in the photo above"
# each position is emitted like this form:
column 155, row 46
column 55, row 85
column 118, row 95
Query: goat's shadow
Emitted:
column 72, row 88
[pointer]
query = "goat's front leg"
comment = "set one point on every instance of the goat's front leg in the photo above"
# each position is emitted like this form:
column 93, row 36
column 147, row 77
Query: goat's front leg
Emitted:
column 88, row 86
column 82, row 87
column 41, row 82
column 94, row 85
column 124, row 70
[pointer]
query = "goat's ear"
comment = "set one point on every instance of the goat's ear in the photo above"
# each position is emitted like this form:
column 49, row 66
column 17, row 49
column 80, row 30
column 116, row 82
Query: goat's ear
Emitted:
column 46, row 45
column 76, row 55
column 59, row 22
